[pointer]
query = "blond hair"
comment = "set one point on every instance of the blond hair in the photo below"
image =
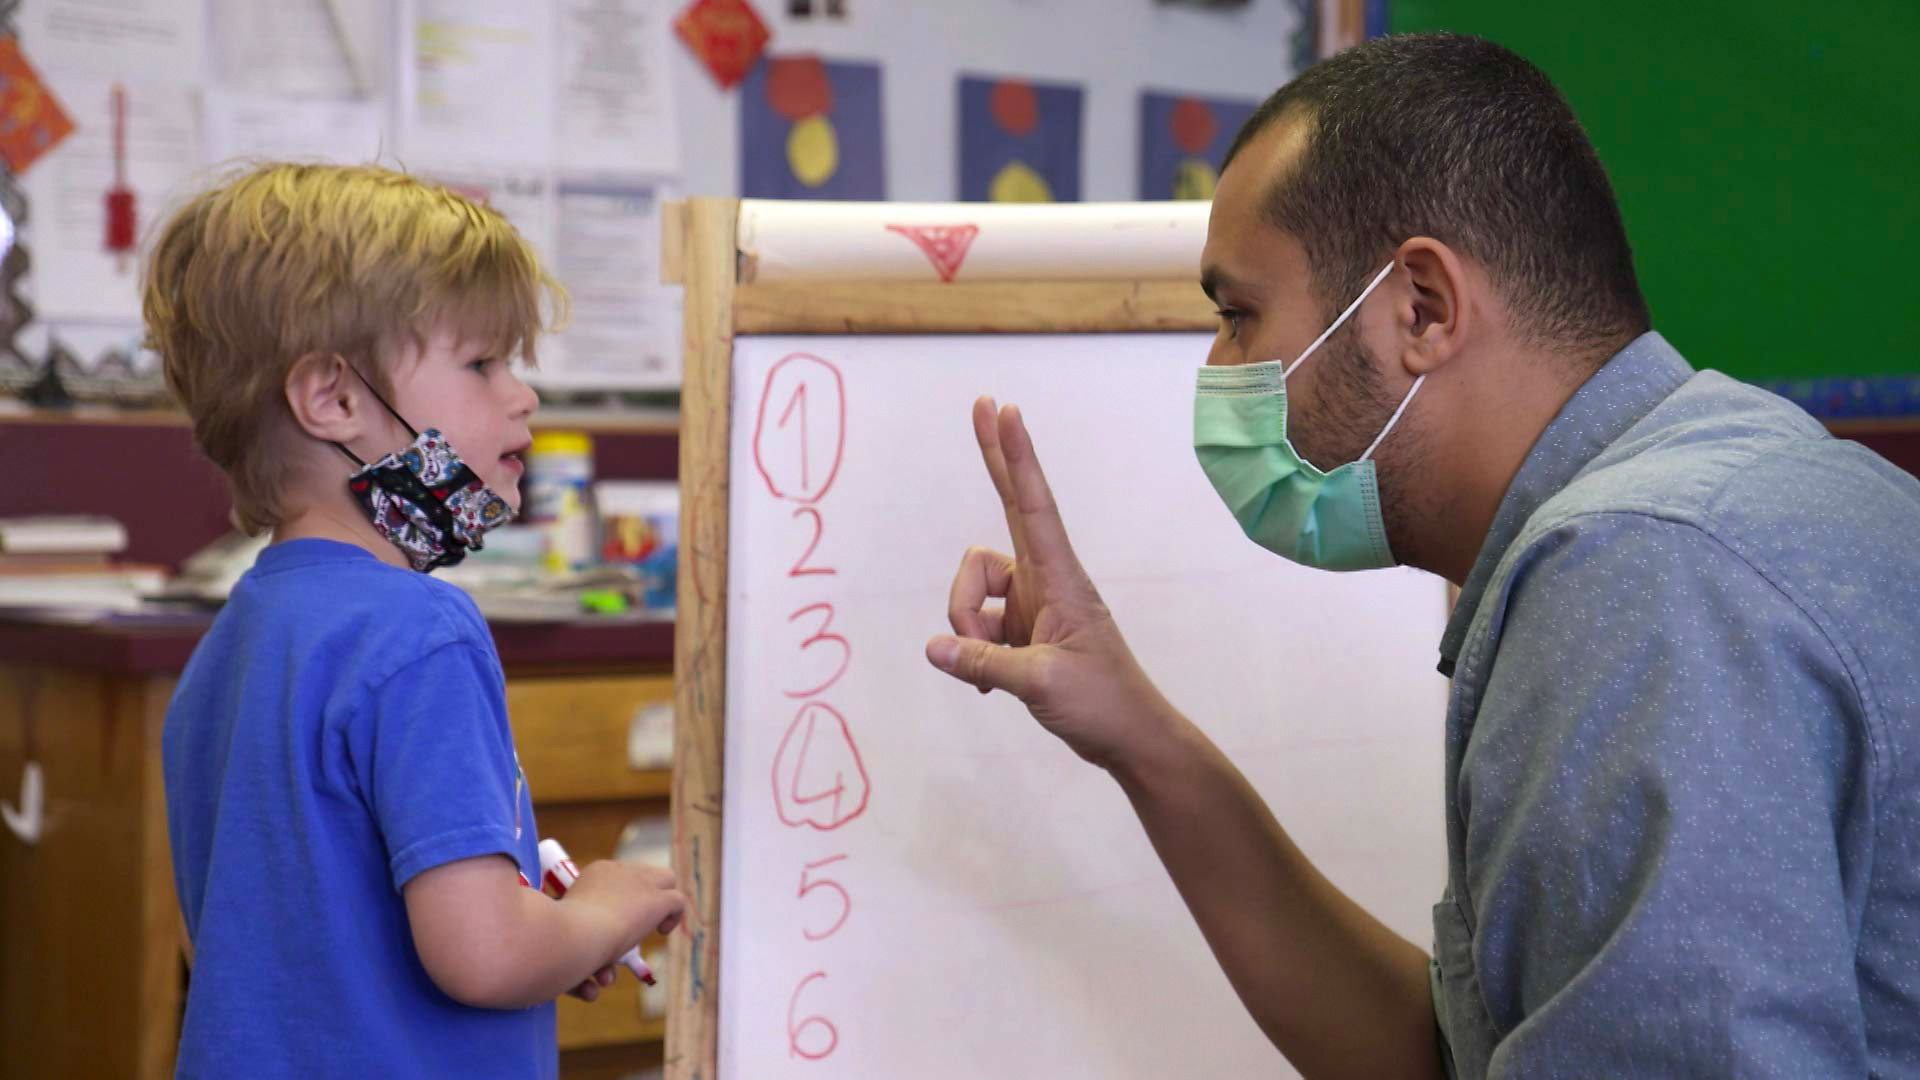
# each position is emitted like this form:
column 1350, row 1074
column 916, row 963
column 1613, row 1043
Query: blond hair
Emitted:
column 284, row 261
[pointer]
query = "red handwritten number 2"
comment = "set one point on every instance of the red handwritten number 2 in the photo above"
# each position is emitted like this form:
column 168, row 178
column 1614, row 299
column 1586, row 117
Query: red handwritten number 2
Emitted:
column 800, row 567
column 799, row 400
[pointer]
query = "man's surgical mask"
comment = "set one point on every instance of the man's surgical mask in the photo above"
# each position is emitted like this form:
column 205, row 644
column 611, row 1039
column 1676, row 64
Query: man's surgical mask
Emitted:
column 1328, row 520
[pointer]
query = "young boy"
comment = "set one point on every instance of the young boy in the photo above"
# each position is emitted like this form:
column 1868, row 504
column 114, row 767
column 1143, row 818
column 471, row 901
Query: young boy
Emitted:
column 352, row 837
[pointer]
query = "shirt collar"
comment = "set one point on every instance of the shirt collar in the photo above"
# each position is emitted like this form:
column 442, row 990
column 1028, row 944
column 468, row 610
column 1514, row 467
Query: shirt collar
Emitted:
column 1613, row 399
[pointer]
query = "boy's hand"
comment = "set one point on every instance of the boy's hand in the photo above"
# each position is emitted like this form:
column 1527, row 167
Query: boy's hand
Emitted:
column 641, row 899
column 590, row 989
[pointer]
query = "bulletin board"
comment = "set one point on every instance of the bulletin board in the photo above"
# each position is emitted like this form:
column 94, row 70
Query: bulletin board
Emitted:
column 553, row 112
column 1764, row 155
column 579, row 118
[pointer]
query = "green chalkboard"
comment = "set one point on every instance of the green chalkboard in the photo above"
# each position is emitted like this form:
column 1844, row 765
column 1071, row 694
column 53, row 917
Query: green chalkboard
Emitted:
column 1767, row 159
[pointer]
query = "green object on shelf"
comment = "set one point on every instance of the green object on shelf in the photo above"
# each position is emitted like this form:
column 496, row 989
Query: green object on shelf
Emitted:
column 603, row 601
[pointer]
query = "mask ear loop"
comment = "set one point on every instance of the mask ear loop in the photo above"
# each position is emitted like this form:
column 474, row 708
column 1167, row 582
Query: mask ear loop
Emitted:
column 1328, row 332
column 1404, row 402
column 383, row 404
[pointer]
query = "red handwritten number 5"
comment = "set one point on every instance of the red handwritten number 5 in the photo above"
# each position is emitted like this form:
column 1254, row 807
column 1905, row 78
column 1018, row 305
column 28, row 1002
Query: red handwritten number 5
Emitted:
column 846, row 902
column 794, row 1030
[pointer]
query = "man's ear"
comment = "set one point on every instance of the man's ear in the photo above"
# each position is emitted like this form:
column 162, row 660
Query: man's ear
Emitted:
column 326, row 398
column 1434, row 311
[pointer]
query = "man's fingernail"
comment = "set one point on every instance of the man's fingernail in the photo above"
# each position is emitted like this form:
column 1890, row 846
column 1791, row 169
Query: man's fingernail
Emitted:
column 944, row 652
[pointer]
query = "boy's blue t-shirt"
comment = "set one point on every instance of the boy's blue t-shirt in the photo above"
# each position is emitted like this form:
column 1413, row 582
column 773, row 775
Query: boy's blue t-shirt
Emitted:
column 341, row 728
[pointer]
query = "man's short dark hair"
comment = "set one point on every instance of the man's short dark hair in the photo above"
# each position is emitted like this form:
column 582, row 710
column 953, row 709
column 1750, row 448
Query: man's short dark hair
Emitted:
column 1459, row 139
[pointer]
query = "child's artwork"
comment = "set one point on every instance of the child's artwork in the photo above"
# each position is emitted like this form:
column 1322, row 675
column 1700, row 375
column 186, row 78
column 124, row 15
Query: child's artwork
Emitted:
column 810, row 129
column 31, row 121
column 1182, row 141
column 1019, row 141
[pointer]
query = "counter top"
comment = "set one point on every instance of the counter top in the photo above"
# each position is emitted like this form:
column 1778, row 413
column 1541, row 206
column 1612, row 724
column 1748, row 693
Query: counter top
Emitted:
column 162, row 648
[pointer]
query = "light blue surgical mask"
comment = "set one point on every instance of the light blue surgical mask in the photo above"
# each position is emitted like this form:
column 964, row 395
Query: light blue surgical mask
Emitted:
column 1328, row 520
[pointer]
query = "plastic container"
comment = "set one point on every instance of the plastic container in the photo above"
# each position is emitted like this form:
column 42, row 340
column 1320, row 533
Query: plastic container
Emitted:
column 640, row 527
column 637, row 518
column 559, row 498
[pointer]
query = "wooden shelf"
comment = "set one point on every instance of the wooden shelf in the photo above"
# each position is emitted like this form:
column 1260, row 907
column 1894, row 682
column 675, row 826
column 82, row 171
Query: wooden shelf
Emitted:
column 593, row 421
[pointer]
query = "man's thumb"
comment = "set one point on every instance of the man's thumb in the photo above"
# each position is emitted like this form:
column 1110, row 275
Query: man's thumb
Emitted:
column 989, row 667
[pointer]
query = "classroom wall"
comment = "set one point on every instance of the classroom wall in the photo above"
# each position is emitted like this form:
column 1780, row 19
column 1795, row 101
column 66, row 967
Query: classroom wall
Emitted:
column 1114, row 47
column 1764, row 155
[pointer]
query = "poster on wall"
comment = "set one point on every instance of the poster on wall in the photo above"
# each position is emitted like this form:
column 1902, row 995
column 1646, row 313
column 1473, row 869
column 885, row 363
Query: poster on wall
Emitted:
column 1182, row 142
column 1019, row 141
column 810, row 129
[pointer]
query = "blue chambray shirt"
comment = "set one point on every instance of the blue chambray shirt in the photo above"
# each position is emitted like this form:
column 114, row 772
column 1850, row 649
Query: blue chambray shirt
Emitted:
column 1683, row 815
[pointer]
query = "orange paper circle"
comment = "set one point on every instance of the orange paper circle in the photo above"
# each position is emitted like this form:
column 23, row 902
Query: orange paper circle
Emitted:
column 797, row 87
column 1015, row 108
column 1193, row 125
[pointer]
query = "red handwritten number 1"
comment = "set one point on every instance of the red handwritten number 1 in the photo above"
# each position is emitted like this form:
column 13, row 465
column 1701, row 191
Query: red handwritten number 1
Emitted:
column 799, row 400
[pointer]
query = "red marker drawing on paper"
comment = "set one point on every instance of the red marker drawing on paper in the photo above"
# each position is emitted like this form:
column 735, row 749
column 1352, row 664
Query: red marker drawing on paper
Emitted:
column 121, row 219
column 944, row 245
column 557, row 872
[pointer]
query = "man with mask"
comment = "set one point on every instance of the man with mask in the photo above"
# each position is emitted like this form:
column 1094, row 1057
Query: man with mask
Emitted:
column 1682, row 817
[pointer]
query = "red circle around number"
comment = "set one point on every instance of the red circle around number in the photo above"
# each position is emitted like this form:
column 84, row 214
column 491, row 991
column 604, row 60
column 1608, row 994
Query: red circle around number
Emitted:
column 795, row 412
column 799, row 796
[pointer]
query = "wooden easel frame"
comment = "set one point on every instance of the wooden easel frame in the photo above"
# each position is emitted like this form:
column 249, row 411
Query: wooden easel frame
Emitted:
column 700, row 250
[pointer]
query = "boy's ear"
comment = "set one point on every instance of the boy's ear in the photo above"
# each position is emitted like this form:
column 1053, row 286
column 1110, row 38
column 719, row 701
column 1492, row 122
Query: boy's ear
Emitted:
column 324, row 398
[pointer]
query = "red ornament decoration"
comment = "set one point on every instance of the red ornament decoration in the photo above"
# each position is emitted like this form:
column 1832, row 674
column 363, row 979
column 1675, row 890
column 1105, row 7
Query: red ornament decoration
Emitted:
column 727, row 36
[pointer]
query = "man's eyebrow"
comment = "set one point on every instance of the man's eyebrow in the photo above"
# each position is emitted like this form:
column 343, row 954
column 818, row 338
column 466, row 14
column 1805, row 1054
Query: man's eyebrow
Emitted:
column 1210, row 281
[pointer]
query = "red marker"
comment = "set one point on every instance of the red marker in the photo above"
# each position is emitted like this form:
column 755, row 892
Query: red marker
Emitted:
column 558, row 873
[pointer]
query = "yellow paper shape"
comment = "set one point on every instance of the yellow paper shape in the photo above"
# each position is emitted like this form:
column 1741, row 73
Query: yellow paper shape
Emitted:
column 813, row 151
column 1019, row 184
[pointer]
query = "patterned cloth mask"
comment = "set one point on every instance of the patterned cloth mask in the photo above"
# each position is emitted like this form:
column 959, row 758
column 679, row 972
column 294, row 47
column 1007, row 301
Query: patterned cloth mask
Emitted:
column 424, row 500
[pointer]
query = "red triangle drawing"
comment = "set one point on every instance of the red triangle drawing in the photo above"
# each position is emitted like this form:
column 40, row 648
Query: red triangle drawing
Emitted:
column 945, row 245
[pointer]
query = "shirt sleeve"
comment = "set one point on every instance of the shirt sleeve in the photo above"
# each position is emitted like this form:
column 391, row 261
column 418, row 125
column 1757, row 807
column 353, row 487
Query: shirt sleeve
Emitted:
column 1661, row 794
column 441, row 775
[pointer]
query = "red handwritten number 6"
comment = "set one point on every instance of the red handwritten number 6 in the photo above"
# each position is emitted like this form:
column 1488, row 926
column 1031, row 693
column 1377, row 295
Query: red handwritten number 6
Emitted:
column 794, row 1030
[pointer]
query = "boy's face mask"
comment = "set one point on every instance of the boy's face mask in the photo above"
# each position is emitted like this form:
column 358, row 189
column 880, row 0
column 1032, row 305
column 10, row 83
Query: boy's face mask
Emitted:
column 1328, row 520
column 423, row 499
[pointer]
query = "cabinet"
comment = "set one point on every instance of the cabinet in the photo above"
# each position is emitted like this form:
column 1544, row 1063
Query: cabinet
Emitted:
column 92, row 968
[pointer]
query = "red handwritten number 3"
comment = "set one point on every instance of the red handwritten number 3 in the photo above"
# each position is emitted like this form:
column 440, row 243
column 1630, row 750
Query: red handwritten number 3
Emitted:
column 846, row 650
column 794, row 1030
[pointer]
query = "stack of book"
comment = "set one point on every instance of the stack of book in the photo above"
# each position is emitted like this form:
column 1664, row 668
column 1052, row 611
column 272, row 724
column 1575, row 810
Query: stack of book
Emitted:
column 68, row 563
